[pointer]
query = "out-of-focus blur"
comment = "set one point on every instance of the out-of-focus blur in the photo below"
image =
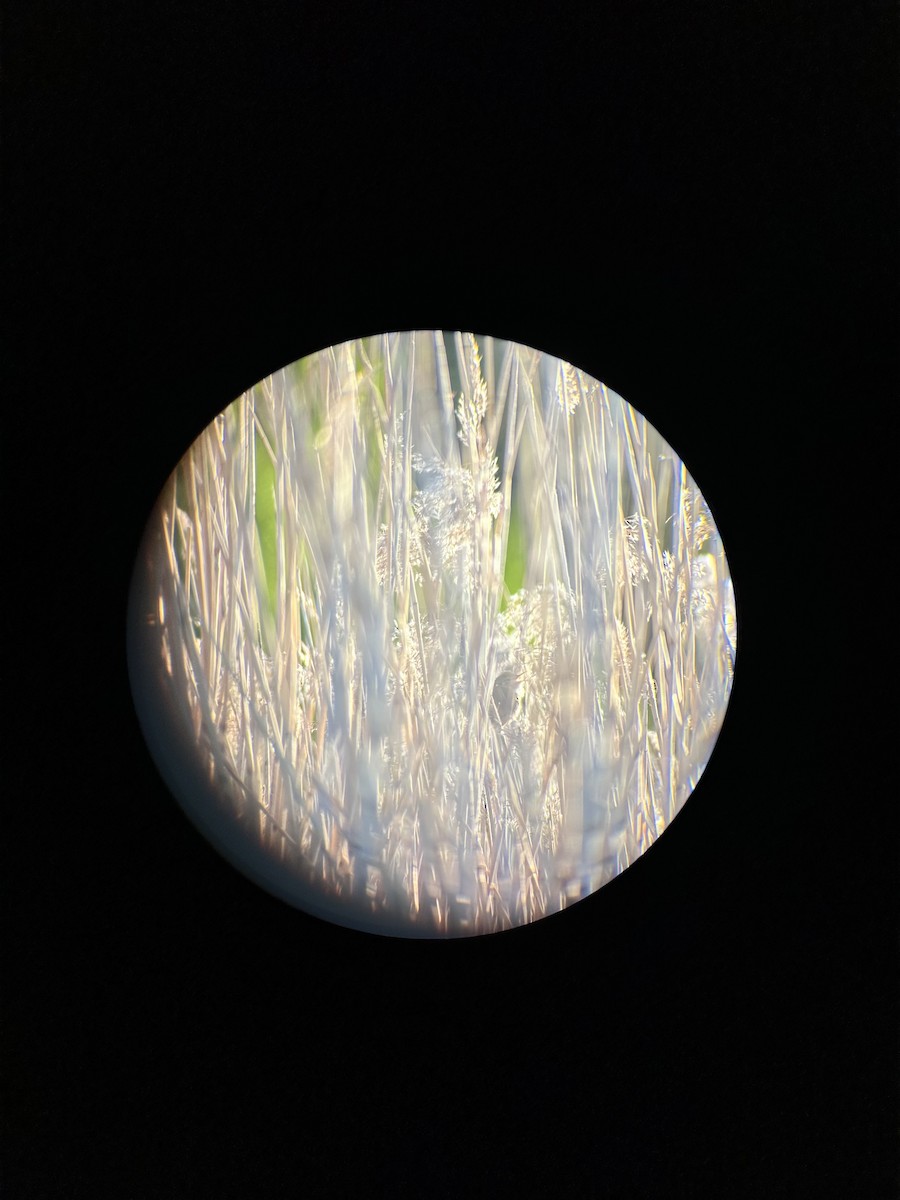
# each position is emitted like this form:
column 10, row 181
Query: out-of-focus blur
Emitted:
column 431, row 634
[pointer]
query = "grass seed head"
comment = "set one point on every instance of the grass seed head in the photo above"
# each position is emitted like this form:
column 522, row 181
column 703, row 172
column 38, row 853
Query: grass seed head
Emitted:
column 393, row 721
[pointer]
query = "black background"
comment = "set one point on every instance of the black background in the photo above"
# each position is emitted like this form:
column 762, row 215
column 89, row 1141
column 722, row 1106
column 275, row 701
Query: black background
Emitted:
column 694, row 202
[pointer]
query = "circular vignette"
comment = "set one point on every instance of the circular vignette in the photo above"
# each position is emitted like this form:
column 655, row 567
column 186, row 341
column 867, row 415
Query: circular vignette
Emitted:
column 431, row 635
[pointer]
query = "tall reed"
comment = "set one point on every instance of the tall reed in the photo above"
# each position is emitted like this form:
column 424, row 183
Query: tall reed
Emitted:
column 451, row 624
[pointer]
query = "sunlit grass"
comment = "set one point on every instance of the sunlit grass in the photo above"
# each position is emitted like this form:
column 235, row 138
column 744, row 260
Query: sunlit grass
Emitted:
column 459, row 653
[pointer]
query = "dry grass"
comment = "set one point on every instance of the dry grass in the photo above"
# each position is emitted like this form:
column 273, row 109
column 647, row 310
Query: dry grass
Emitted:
column 385, row 716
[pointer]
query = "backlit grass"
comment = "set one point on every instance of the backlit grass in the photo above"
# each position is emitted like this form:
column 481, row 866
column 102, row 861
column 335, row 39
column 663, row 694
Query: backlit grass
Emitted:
column 457, row 653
